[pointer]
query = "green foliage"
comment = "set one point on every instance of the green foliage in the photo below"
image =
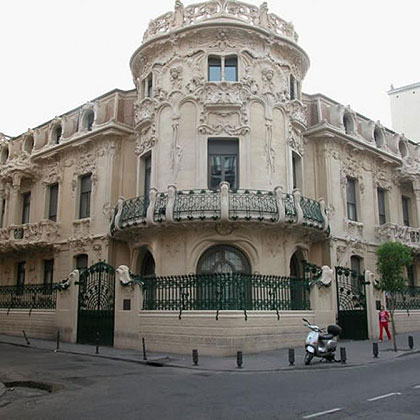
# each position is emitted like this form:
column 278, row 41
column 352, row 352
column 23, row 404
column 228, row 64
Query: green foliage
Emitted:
column 393, row 257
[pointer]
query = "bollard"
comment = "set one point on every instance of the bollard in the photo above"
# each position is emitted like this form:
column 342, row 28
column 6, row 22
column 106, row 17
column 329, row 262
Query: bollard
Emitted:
column 195, row 357
column 343, row 355
column 97, row 342
column 26, row 338
column 144, row 348
column 375, row 349
column 239, row 359
column 58, row 341
column 291, row 357
column 411, row 342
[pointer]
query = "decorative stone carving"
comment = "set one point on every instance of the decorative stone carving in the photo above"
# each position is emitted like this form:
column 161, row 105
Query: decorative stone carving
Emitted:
column 144, row 110
column 176, row 150
column 146, row 139
column 296, row 140
column 270, row 153
column 354, row 230
column 224, row 229
column 176, row 77
column 123, row 275
column 222, row 41
column 219, row 122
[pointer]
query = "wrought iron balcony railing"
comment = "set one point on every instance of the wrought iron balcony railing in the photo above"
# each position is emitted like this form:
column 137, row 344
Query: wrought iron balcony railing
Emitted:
column 221, row 205
column 224, row 291
column 409, row 299
column 28, row 296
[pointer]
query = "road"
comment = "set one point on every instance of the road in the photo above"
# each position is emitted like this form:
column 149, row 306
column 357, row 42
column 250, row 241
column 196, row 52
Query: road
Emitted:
column 96, row 388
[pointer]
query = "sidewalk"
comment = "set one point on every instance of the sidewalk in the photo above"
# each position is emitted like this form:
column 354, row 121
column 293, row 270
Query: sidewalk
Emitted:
column 358, row 353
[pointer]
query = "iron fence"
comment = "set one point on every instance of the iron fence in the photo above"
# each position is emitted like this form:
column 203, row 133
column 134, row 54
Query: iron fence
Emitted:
column 230, row 291
column 28, row 296
column 409, row 299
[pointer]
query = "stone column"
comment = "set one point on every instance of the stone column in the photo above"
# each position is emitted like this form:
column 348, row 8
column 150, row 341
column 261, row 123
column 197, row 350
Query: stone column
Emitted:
column 67, row 308
column 416, row 188
column 322, row 298
column 372, row 313
column 128, row 302
column 14, row 215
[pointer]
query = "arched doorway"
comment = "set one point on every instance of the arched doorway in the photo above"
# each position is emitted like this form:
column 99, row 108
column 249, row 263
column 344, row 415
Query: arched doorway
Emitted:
column 148, row 273
column 147, row 266
column 223, row 279
column 297, row 289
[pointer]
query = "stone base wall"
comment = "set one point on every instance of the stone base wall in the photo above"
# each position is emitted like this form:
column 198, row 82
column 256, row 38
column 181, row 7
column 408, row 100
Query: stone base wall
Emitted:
column 165, row 332
column 40, row 324
column 407, row 322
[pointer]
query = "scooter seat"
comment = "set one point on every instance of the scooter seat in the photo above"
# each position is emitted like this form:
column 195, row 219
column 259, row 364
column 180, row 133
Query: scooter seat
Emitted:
column 326, row 336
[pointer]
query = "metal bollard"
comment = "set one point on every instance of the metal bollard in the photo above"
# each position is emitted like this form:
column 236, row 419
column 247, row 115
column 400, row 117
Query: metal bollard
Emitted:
column 375, row 348
column 58, row 341
column 144, row 348
column 291, row 357
column 195, row 357
column 26, row 338
column 343, row 355
column 239, row 359
column 411, row 342
column 97, row 342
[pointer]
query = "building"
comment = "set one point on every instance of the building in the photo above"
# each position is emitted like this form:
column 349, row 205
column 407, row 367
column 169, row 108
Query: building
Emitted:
column 226, row 202
column 405, row 106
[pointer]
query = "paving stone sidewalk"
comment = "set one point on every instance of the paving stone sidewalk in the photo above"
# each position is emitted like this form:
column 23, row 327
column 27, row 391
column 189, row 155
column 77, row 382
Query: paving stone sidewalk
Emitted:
column 358, row 353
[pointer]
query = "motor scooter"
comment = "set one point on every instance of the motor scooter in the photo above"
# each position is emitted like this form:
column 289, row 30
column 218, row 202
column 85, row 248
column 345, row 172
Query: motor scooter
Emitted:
column 321, row 344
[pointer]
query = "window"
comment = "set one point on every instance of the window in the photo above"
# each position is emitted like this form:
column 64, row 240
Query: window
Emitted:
column 28, row 144
column 4, row 154
column 48, row 274
column 381, row 206
column 3, row 211
column 348, row 124
column 85, row 192
column 378, row 136
column 149, row 86
column 356, row 266
column 223, row 259
column 406, row 210
column 411, row 275
column 20, row 277
column 57, row 133
column 26, row 207
column 81, row 262
column 296, row 171
column 292, row 87
column 89, row 117
column 351, row 199
column 223, row 163
column 147, row 174
column 223, row 69
column 52, row 202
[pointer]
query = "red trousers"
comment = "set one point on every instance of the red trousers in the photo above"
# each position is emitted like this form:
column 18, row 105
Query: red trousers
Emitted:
column 383, row 325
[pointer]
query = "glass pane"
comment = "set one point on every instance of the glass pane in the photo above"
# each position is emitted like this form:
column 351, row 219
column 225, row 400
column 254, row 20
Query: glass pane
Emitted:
column 351, row 191
column 85, row 183
column 215, row 69
column 406, row 210
column 52, row 211
column 351, row 210
column 231, row 69
column 230, row 170
column 84, row 205
column 81, row 261
column 223, row 260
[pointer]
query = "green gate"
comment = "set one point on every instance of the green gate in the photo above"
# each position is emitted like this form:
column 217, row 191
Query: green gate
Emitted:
column 351, row 304
column 96, row 305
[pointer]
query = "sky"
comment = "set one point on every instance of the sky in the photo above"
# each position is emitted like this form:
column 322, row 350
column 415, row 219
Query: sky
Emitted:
column 56, row 55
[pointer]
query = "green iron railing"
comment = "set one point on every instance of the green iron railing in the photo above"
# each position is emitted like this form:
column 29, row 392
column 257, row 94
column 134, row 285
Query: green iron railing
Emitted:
column 28, row 296
column 206, row 205
column 409, row 299
column 197, row 204
column 134, row 211
column 230, row 291
column 312, row 214
column 253, row 205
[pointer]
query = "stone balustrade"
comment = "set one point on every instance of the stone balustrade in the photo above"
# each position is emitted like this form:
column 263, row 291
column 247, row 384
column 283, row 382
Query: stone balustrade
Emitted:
column 200, row 12
column 222, row 205
column 29, row 235
column 407, row 235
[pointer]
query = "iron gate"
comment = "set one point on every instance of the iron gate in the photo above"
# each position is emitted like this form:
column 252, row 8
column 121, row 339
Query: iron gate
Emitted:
column 351, row 304
column 96, row 305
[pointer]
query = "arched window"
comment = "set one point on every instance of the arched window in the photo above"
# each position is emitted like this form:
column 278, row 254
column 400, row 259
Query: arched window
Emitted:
column 297, row 171
column 348, row 123
column 4, row 154
column 378, row 136
column 223, row 259
column 88, row 120
column 298, row 292
column 403, row 149
column 56, row 135
column 28, row 145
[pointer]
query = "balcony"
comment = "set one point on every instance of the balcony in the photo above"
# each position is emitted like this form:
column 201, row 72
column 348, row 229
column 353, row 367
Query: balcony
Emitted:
column 405, row 234
column 28, row 236
column 223, row 205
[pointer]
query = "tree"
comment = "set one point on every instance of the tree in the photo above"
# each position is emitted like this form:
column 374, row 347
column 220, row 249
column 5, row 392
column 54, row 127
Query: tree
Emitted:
column 393, row 257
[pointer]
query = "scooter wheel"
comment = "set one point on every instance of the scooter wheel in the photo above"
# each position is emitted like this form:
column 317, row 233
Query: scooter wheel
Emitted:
column 308, row 358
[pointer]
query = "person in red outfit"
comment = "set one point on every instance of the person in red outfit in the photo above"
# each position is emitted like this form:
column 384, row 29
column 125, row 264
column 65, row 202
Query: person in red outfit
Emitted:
column 384, row 319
